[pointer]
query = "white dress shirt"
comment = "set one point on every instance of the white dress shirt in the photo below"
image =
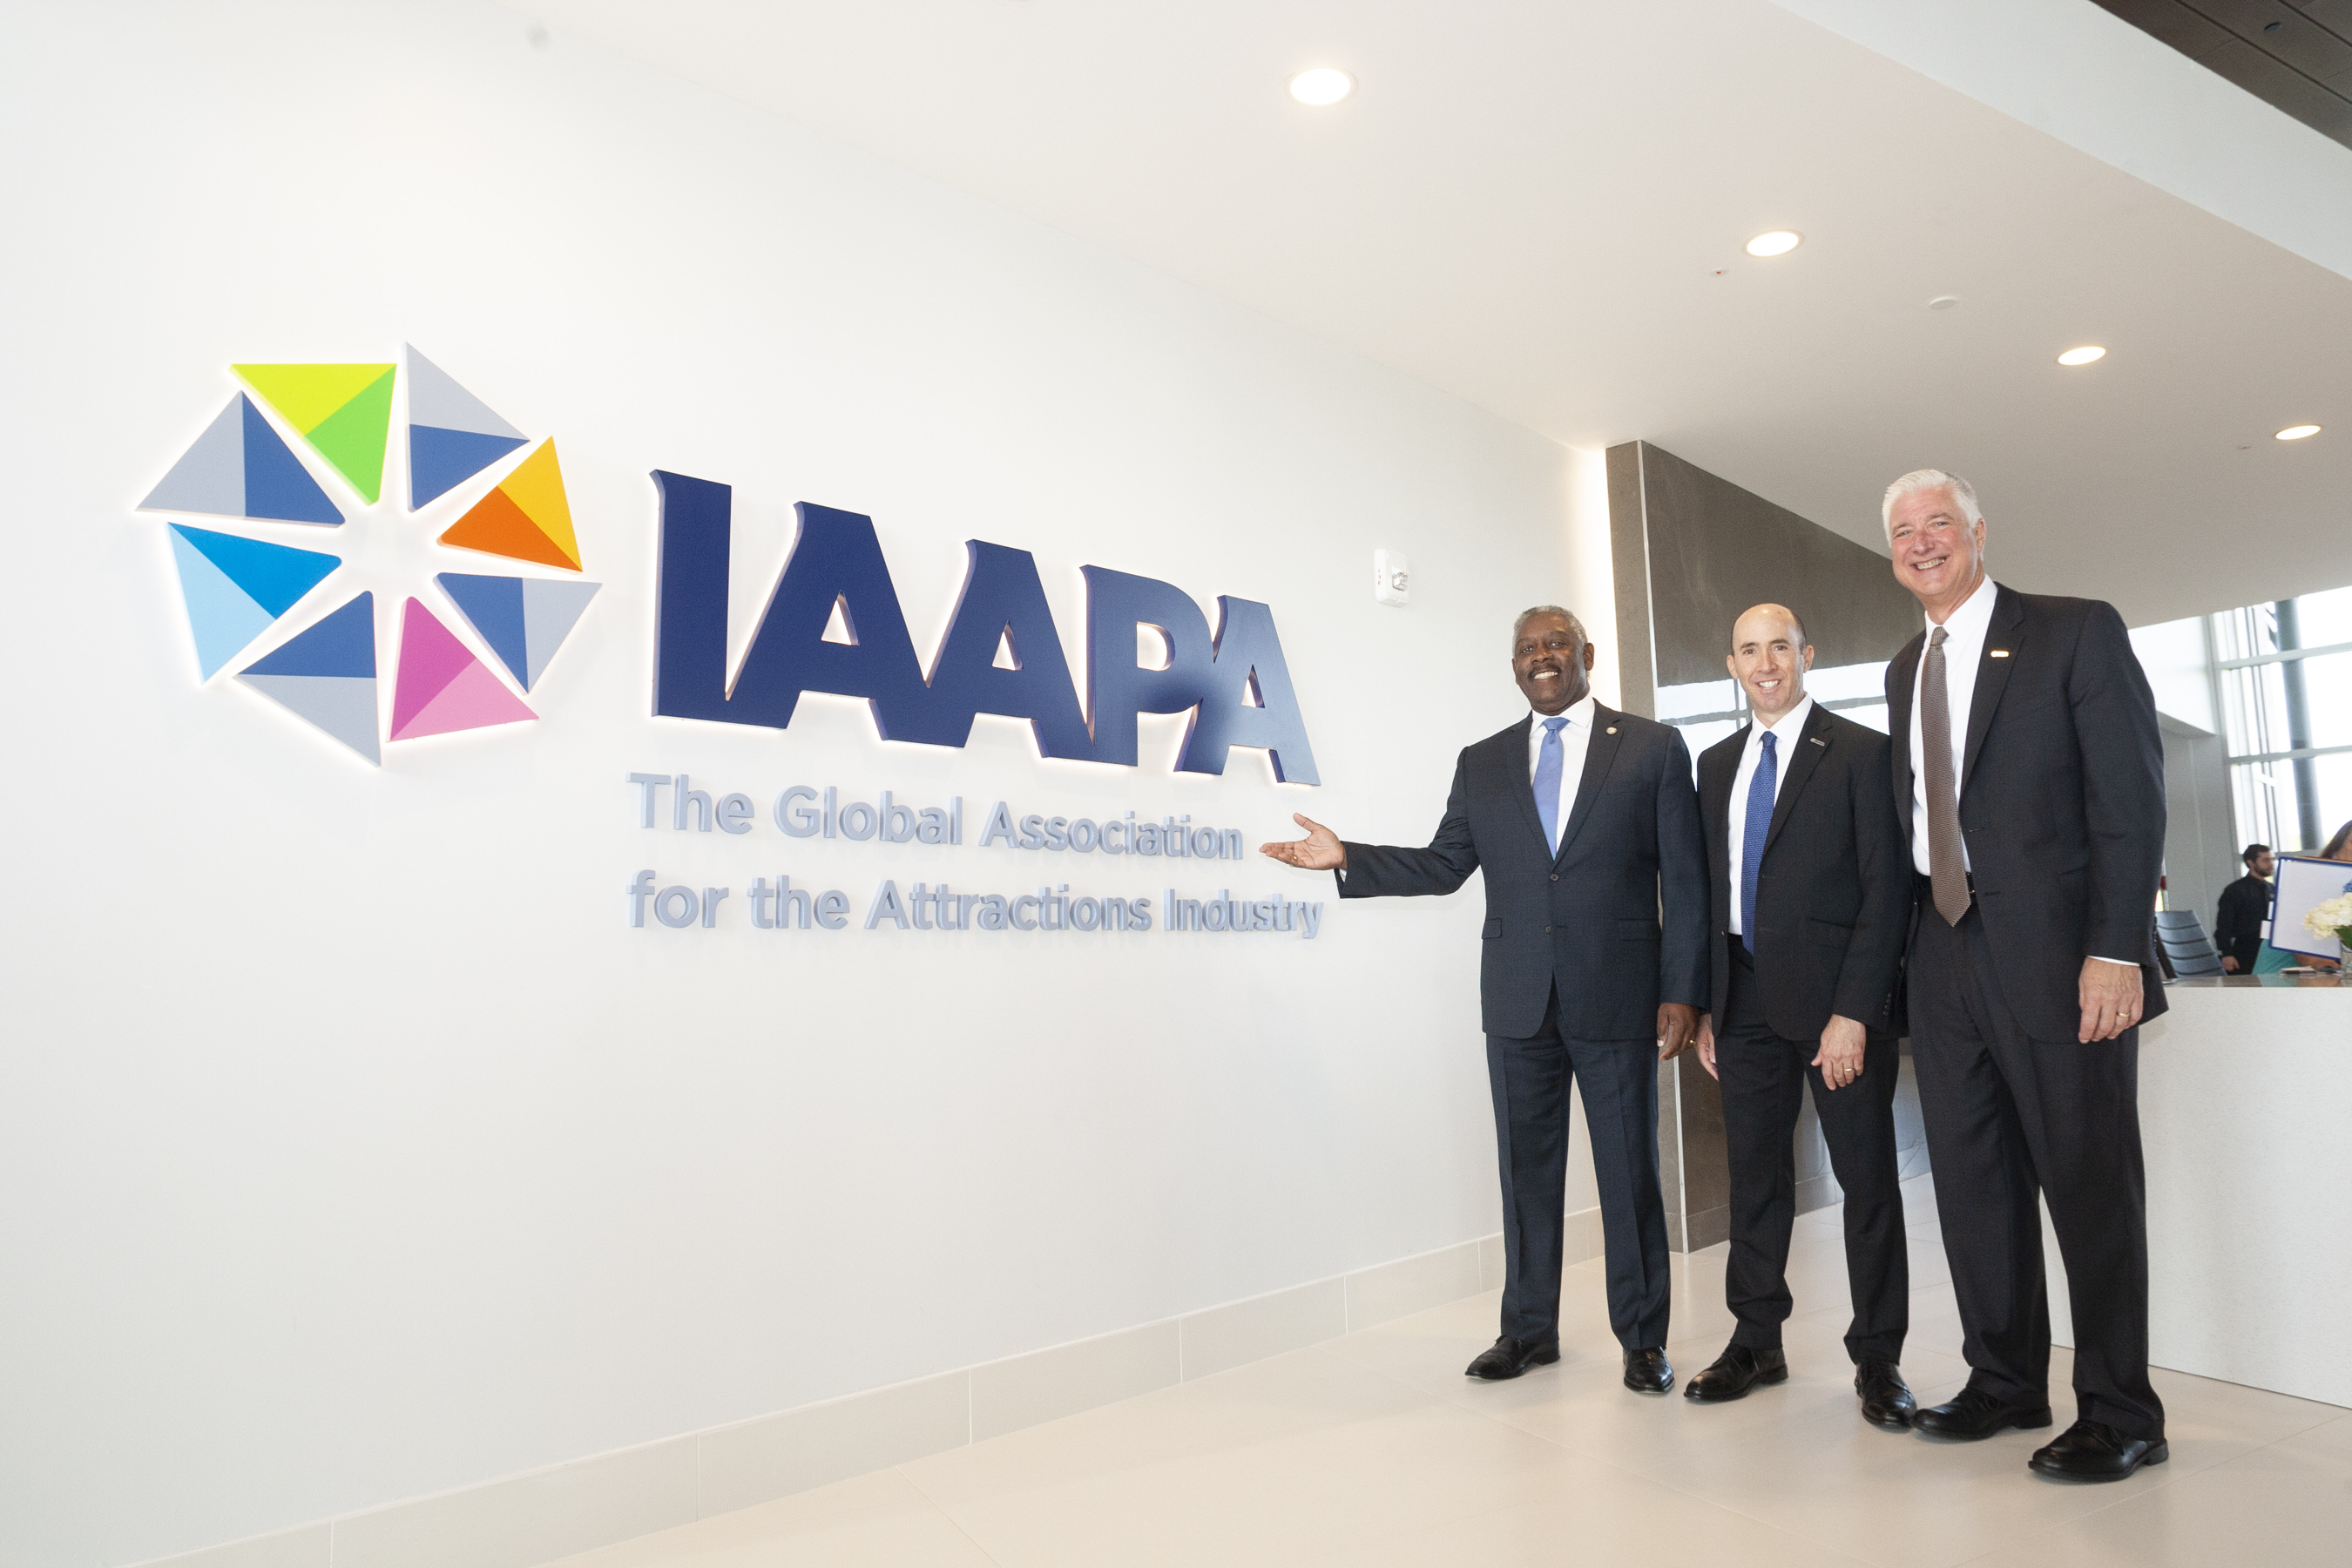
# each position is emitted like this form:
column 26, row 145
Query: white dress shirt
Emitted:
column 1964, row 642
column 1790, row 726
column 1575, row 739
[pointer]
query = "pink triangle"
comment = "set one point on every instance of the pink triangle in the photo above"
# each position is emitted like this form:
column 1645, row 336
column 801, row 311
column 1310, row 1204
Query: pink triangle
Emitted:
column 442, row 686
column 472, row 701
column 430, row 658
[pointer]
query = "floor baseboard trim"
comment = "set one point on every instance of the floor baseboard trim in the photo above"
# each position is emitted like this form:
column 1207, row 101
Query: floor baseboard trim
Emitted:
column 533, row 1517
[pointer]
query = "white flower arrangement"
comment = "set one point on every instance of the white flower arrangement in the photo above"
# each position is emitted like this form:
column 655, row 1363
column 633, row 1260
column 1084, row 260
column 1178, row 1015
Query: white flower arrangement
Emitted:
column 2332, row 918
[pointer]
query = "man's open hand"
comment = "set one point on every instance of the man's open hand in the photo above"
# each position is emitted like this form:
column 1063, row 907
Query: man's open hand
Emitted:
column 1677, row 1026
column 1705, row 1045
column 1318, row 851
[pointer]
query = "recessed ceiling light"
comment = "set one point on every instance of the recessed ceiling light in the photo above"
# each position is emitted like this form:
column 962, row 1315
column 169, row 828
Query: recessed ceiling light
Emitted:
column 1322, row 87
column 2297, row 432
column 2083, row 355
column 1779, row 242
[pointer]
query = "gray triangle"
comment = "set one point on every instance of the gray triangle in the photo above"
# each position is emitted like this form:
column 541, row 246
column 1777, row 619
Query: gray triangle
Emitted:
column 550, row 611
column 209, row 477
column 436, row 399
column 342, row 705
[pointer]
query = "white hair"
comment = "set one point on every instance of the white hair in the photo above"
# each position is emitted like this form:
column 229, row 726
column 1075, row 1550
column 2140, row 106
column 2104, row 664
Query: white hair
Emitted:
column 1920, row 480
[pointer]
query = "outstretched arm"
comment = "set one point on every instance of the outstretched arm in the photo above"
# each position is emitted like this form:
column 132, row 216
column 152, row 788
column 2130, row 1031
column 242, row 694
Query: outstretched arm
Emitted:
column 1375, row 870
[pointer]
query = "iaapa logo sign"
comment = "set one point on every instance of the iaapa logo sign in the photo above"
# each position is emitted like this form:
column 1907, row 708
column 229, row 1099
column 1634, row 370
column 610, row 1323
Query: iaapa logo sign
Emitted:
column 302, row 442
column 1235, row 684
column 243, row 587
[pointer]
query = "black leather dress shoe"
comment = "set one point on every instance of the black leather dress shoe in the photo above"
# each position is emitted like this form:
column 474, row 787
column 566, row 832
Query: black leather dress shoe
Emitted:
column 1508, row 1357
column 2093, row 1451
column 1886, row 1398
column 1973, row 1414
column 1646, row 1372
column 1738, row 1369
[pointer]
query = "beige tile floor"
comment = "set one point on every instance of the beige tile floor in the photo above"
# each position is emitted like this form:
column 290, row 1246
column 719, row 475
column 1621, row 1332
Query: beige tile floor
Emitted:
column 1375, row 1449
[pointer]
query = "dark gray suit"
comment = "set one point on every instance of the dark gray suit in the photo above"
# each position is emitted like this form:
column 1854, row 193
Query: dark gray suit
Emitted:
column 2062, row 809
column 1572, row 968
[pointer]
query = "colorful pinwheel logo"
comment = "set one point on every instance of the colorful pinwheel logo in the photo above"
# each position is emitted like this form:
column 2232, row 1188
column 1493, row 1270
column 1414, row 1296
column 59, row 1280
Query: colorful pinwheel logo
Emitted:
column 237, row 588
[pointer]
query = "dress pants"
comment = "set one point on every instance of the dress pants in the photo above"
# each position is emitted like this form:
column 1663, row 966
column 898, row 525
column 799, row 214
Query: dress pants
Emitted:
column 1764, row 1077
column 1617, row 1081
column 2013, row 1122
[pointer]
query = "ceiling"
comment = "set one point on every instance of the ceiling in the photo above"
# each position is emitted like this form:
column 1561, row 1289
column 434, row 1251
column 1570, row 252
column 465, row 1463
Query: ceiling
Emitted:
column 2293, row 54
column 1540, row 205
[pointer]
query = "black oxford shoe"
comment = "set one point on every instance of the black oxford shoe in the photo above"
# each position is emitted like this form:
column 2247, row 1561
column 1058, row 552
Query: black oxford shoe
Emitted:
column 2093, row 1451
column 1973, row 1414
column 1508, row 1357
column 1886, row 1398
column 1738, row 1369
column 1646, row 1372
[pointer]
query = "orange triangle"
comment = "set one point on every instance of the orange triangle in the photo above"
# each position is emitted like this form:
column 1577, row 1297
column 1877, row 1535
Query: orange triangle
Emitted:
column 527, row 518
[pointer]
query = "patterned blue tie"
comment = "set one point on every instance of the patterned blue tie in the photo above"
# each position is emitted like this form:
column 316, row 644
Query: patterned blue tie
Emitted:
column 1751, row 840
column 1547, row 782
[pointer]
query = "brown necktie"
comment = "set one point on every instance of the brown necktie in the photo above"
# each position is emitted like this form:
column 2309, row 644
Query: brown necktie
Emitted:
column 1946, row 873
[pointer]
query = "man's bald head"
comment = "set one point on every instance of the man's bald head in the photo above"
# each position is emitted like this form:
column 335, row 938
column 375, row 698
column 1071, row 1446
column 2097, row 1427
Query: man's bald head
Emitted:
column 1759, row 620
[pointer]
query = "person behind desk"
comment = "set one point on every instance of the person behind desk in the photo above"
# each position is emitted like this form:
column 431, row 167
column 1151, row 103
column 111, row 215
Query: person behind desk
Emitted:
column 2245, row 909
column 1584, row 824
column 1813, row 894
column 2272, row 959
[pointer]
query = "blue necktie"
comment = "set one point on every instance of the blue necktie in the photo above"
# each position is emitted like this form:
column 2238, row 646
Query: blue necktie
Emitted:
column 1751, row 841
column 1547, row 782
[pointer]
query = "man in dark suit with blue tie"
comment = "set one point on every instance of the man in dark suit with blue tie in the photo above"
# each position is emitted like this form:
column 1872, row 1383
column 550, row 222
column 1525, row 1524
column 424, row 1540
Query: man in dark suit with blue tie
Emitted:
column 1812, row 896
column 1584, row 823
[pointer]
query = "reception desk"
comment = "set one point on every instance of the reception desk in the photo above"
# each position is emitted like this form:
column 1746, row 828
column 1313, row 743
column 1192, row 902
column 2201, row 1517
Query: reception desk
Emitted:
column 2245, row 1108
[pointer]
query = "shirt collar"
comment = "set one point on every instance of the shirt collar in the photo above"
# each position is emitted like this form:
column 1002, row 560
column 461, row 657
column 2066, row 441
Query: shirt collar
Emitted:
column 1790, row 725
column 1973, row 616
column 1578, row 713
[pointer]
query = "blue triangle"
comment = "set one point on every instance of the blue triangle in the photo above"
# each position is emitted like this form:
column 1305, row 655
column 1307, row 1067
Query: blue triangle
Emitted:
column 439, row 461
column 276, row 486
column 494, row 605
column 273, row 575
column 222, row 617
column 343, row 644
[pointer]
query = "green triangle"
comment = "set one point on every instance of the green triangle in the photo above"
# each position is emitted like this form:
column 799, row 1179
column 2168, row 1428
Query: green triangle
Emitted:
column 305, row 394
column 353, row 436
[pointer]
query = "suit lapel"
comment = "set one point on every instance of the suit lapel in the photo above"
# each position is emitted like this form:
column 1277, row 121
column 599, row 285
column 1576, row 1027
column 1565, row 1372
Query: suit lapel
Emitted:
column 1903, row 675
column 1716, row 780
column 2002, row 635
column 1525, row 793
column 1811, row 745
column 1599, row 755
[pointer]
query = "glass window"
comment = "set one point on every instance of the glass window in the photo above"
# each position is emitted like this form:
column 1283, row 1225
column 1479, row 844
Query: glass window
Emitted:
column 1679, row 702
column 2328, row 693
column 1839, row 683
column 2326, row 618
column 2288, row 704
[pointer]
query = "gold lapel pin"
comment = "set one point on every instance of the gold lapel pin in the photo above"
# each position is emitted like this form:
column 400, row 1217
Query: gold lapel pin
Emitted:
column 1996, row 653
column 1818, row 741
column 1613, row 729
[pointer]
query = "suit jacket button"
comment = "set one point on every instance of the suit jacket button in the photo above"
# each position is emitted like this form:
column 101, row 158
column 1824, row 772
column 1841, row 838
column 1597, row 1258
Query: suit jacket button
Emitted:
column 1555, row 876
column 1547, row 931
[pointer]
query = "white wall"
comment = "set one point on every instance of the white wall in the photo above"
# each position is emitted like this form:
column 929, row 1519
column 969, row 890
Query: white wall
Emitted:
column 351, row 1145
column 2179, row 670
